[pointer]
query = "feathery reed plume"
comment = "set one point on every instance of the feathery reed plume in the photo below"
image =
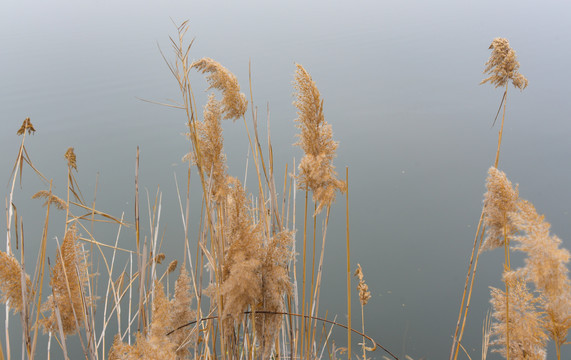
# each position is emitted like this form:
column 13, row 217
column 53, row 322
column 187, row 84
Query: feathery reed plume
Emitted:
column 50, row 199
column 499, row 200
column 234, row 103
column 182, row 314
column 26, row 126
column 212, row 157
column 316, row 171
column 71, row 159
column 502, row 66
column 527, row 338
column 241, row 284
column 275, row 285
column 546, row 267
column 11, row 282
column 156, row 346
column 68, row 279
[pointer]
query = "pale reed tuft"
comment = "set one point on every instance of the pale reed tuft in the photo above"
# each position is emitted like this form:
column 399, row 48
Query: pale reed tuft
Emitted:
column 11, row 282
column 71, row 159
column 26, row 126
column 210, row 141
column 50, row 199
column 275, row 285
column 182, row 314
column 364, row 293
column 316, row 171
column 234, row 103
column 241, row 284
column 68, row 279
column 527, row 338
column 156, row 346
column 499, row 200
column 546, row 266
column 502, row 66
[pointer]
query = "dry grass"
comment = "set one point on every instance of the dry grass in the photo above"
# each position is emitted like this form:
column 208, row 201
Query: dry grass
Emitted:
column 525, row 316
column 239, row 294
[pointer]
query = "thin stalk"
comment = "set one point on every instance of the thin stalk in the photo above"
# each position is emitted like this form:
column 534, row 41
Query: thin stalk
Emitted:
column 454, row 350
column 507, row 268
column 303, row 278
column 501, row 128
column 470, row 291
column 348, row 267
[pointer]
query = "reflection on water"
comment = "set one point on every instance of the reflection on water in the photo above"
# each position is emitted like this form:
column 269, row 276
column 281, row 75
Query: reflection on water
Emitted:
column 400, row 83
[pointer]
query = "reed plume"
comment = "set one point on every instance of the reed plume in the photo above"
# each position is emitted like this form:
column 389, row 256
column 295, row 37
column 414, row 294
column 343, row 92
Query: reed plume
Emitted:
column 71, row 158
column 275, row 285
column 502, row 66
column 182, row 314
column 546, row 266
column 364, row 293
column 234, row 103
column 316, row 171
column 11, row 282
column 241, row 284
column 499, row 200
column 364, row 297
column 26, row 126
column 156, row 346
column 525, row 324
column 68, row 279
column 212, row 157
column 50, row 198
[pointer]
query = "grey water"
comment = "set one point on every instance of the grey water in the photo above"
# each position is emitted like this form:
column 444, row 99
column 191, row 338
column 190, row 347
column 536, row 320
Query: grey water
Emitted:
column 401, row 87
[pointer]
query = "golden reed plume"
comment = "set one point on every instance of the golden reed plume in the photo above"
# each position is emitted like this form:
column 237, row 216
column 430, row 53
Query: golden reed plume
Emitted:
column 68, row 279
column 234, row 103
column 316, row 171
column 502, row 66
column 11, row 282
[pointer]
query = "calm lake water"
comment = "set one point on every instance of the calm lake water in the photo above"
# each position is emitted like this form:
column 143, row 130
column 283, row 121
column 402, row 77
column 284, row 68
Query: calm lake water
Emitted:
column 400, row 82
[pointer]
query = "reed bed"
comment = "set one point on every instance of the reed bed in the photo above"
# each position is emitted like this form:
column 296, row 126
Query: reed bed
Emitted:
column 249, row 282
column 240, row 291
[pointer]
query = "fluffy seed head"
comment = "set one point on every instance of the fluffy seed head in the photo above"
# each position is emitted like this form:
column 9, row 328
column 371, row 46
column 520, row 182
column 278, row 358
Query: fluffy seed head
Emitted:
column 234, row 103
column 11, row 281
column 499, row 201
column 71, row 159
column 316, row 170
column 502, row 66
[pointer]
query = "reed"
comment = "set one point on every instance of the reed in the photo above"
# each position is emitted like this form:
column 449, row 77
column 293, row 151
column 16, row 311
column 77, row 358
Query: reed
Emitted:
column 237, row 296
column 525, row 316
column 238, row 293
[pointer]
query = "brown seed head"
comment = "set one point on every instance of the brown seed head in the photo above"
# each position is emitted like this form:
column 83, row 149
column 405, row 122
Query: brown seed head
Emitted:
column 502, row 66
column 234, row 103
column 71, row 159
column 364, row 293
column 26, row 126
column 50, row 199
column 499, row 202
column 11, row 281
column 316, row 170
